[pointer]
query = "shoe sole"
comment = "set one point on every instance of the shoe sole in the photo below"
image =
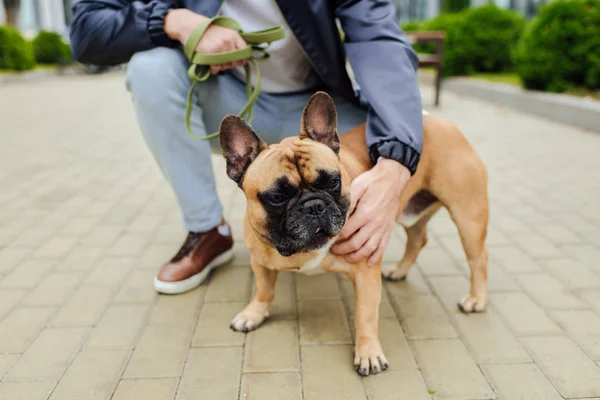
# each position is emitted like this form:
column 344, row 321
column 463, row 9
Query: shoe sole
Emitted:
column 194, row 280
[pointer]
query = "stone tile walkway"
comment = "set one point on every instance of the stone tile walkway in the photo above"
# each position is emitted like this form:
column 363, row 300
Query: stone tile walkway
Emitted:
column 86, row 219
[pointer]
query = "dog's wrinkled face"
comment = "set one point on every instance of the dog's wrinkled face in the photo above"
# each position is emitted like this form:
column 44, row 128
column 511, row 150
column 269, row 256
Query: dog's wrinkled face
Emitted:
column 296, row 199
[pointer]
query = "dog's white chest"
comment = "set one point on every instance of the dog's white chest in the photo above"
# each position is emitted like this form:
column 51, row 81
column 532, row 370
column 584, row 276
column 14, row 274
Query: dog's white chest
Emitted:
column 313, row 266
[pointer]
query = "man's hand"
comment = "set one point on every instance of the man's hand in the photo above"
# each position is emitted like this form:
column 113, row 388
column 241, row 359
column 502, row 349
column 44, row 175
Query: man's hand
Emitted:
column 375, row 196
column 179, row 24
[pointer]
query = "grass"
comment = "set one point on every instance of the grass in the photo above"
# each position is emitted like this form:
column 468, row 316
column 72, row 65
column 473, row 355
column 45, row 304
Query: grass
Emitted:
column 512, row 78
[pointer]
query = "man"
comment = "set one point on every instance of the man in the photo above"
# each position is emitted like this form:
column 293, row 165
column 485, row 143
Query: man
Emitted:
column 150, row 34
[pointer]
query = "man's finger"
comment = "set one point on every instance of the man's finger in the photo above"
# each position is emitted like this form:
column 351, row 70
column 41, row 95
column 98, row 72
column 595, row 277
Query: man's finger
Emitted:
column 214, row 69
column 378, row 254
column 354, row 243
column 240, row 43
column 357, row 190
column 354, row 223
column 226, row 66
column 365, row 251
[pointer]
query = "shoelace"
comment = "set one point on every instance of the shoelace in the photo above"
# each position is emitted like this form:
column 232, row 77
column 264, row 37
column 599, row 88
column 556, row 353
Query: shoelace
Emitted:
column 199, row 71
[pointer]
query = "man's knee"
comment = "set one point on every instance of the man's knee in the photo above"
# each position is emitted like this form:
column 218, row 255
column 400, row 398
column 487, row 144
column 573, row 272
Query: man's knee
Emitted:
column 152, row 74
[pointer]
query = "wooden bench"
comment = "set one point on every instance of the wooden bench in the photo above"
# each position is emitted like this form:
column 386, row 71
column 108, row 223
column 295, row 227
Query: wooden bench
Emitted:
column 431, row 60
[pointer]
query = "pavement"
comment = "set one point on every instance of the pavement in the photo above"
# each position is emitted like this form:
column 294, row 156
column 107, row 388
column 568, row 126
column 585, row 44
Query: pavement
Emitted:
column 86, row 219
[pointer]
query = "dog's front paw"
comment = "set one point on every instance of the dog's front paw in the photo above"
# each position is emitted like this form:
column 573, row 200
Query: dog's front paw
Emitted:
column 249, row 319
column 471, row 304
column 369, row 358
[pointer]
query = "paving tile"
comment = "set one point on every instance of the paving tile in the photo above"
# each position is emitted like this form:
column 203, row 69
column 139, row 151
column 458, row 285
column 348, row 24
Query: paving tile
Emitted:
column 513, row 259
column 111, row 271
column 393, row 384
column 328, row 373
column 323, row 322
column 271, row 386
column 19, row 328
column 592, row 297
column 81, row 258
column 583, row 326
column 49, row 355
column 92, row 375
column 79, row 225
column 523, row 315
column 572, row 274
column 548, row 292
column 413, row 285
column 317, row 286
column 436, row 261
column 6, row 362
column 585, row 254
column 102, row 236
column 119, row 328
column 84, row 307
column 54, row 289
column 39, row 390
column 27, row 274
column 211, row 370
column 229, row 283
column 11, row 256
column 273, row 347
column 9, row 298
column 129, row 244
column 138, row 288
column 213, row 325
column 56, row 247
column 450, row 371
column 142, row 389
column 160, row 353
column 566, row 366
column 180, row 309
column 424, row 318
column 520, row 382
column 485, row 334
column 536, row 245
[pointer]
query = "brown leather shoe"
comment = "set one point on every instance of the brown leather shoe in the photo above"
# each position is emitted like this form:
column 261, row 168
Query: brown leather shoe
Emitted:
column 199, row 254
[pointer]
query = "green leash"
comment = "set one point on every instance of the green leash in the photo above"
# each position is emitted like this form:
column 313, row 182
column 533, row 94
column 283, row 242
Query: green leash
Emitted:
column 199, row 71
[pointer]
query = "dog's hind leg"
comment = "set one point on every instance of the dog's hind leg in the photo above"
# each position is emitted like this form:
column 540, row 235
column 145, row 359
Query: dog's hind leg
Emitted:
column 416, row 239
column 257, row 311
column 471, row 218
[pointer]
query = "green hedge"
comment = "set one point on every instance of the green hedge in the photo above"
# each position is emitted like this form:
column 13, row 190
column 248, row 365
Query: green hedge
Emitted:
column 478, row 39
column 16, row 53
column 49, row 48
column 561, row 48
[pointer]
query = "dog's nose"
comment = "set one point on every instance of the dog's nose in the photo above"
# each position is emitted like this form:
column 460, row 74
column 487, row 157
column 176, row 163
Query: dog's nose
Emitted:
column 314, row 207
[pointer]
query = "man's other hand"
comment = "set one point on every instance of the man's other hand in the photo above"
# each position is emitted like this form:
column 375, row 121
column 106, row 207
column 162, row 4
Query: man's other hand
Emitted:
column 179, row 24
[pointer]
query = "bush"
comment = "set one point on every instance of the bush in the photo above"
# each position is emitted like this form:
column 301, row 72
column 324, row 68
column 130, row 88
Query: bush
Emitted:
column 49, row 48
column 16, row 53
column 561, row 48
column 478, row 39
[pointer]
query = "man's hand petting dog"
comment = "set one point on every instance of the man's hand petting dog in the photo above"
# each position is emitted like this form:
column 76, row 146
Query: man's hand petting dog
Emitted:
column 374, row 204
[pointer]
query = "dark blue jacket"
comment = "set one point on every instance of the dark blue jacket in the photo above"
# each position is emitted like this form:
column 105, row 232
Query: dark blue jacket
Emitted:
column 109, row 32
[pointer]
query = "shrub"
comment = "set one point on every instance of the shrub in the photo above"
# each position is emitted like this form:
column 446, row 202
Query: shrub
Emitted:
column 483, row 41
column 478, row 39
column 561, row 48
column 49, row 48
column 16, row 53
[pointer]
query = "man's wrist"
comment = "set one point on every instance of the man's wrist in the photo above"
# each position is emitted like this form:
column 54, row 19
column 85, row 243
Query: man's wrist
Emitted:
column 390, row 166
column 180, row 22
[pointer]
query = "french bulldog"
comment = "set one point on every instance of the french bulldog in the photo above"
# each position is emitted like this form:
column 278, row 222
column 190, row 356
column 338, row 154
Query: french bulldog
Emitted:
column 298, row 197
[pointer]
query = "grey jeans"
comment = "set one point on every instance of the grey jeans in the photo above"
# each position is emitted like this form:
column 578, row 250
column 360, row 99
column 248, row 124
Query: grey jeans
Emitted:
column 158, row 82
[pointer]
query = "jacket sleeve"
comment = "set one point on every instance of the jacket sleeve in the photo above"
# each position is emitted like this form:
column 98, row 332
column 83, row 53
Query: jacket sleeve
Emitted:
column 109, row 32
column 384, row 65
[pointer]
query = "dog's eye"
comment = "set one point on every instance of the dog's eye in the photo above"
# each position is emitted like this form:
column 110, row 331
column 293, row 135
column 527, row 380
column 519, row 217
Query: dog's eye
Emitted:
column 333, row 184
column 277, row 199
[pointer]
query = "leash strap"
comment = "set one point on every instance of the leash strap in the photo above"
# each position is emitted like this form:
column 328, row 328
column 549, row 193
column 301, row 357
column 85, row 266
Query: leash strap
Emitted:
column 199, row 70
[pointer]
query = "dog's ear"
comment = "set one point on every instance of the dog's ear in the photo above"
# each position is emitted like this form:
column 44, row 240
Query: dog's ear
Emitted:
column 319, row 121
column 239, row 144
